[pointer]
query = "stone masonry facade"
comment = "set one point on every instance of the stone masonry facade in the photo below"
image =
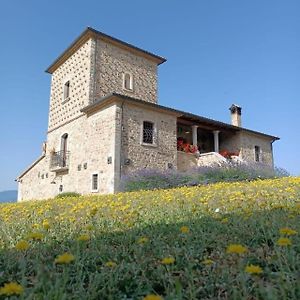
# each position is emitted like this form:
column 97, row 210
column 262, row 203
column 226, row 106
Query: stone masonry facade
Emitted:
column 97, row 131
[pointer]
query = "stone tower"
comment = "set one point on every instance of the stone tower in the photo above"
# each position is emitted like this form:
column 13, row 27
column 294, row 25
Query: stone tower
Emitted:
column 95, row 65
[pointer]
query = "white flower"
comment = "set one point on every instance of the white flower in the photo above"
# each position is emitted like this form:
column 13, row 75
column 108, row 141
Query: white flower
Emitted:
column 217, row 210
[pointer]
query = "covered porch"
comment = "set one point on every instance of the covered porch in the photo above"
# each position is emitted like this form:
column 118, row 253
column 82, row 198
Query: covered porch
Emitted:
column 205, row 142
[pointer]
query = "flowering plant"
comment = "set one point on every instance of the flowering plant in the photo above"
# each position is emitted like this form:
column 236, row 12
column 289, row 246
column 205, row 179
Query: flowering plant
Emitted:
column 228, row 154
column 186, row 147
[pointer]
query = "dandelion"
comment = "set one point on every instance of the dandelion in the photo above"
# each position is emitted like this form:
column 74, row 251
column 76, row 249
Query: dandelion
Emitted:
column 11, row 288
column 153, row 297
column 89, row 227
column 236, row 249
column 83, row 238
column 37, row 236
column 46, row 224
column 253, row 270
column 184, row 229
column 111, row 264
column 284, row 242
column 168, row 260
column 208, row 262
column 287, row 231
column 65, row 258
column 22, row 245
column 142, row 240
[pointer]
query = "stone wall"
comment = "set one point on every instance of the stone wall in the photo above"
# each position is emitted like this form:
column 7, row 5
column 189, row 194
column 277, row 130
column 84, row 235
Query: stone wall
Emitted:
column 249, row 141
column 245, row 142
column 76, row 69
column 112, row 62
column 148, row 156
column 91, row 141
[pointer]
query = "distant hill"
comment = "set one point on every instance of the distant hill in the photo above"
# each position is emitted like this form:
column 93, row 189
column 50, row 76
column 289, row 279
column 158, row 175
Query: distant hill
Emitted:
column 8, row 196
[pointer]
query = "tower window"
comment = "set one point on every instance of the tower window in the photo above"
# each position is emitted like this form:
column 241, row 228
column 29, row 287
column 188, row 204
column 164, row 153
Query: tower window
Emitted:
column 148, row 132
column 257, row 153
column 67, row 90
column 127, row 82
column 95, row 181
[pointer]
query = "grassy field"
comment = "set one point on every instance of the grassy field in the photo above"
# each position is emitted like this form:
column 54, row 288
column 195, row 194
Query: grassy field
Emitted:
column 222, row 241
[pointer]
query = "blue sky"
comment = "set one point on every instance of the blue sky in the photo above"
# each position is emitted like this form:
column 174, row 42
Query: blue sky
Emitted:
column 219, row 53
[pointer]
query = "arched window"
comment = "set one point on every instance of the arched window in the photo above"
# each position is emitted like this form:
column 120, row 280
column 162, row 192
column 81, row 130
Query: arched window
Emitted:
column 127, row 82
column 64, row 149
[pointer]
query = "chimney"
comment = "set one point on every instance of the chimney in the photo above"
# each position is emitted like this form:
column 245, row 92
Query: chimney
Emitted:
column 236, row 112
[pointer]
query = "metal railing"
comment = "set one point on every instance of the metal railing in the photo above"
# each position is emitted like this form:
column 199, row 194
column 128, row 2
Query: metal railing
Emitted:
column 59, row 160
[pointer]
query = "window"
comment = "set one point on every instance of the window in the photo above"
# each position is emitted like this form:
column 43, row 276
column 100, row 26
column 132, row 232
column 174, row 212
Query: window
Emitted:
column 67, row 90
column 148, row 132
column 64, row 149
column 127, row 82
column 95, row 182
column 257, row 153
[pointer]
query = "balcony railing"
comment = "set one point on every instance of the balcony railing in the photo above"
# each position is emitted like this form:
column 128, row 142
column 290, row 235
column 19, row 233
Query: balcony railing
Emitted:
column 59, row 160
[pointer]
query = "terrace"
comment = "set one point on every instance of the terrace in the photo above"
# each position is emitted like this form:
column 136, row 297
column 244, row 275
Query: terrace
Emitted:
column 202, row 144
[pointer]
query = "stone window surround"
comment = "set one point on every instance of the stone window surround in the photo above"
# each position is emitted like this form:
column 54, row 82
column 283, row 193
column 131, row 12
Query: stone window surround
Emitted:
column 92, row 178
column 154, row 144
column 131, row 82
column 259, row 153
column 66, row 80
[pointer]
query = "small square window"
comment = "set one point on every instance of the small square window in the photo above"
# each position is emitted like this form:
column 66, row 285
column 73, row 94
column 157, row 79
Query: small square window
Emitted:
column 61, row 188
column 79, row 167
column 85, row 166
column 148, row 132
column 95, row 182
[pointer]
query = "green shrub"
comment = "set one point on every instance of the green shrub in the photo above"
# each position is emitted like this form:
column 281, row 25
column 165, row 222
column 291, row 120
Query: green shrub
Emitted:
column 67, row 195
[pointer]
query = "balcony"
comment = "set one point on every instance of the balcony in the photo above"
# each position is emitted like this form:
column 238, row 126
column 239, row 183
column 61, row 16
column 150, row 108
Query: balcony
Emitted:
column 59, row 161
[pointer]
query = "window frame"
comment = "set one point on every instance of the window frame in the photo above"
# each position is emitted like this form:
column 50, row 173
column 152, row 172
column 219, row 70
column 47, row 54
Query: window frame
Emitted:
column 66, row 90
column 92, row 182
column 257, row 153
column 130, row 82
column 154, row 134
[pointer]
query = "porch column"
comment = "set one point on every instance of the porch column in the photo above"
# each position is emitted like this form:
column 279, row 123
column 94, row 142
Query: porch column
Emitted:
column 195, row 137
column 216, row 140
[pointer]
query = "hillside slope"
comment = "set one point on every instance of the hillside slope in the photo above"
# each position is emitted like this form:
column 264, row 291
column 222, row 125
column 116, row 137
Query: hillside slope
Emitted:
column 223, row 241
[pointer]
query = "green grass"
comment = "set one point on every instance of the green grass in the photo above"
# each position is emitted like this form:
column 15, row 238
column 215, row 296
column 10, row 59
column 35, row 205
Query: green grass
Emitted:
column 250, row 214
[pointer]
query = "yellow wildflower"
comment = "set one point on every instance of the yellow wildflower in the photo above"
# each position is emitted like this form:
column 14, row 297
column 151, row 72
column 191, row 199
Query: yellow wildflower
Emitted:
column 142, row 240
column 11, row 288
column 37, row 236
column 208, row 262
column 83, row 238
column 252, row 269
column 236, row 248
column 111, row 264
column 22, row 245
column 284, row 242
column 89, row 227
column 65, row 258
column 168, row 260
column 46, row 224
column 287, row 231
column 153, row 297
column 184, row 229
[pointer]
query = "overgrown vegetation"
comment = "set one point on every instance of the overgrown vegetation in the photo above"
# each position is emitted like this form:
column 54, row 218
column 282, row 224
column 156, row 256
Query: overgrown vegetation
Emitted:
column 156, row 179
column 222, row 241
column 67, row 195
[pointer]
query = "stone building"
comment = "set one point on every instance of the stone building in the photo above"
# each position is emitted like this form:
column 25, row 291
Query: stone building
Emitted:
column 104, row 121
